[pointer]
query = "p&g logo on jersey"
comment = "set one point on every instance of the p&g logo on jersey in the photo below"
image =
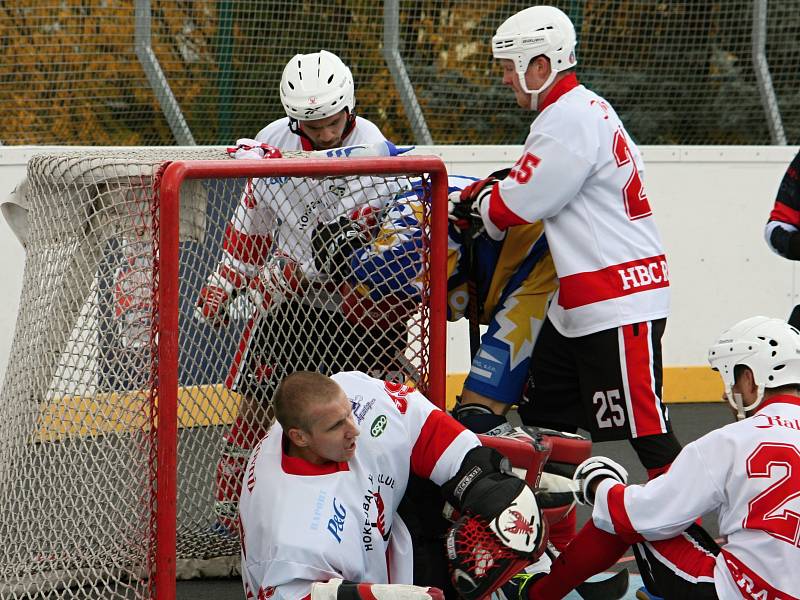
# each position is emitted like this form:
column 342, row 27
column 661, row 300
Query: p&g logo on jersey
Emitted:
column 336, row 522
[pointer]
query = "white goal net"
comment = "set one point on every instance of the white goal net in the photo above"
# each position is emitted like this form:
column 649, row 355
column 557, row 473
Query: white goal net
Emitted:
column 80, row 404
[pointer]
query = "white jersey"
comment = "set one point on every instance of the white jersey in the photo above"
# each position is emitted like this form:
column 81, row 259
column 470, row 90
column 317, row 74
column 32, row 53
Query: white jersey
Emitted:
column 303, row 523
column 581, row 173
column 750, row 472
column 280, row 213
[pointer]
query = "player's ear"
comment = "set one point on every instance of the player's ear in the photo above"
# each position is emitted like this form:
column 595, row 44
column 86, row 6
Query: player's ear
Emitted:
column 298, row 437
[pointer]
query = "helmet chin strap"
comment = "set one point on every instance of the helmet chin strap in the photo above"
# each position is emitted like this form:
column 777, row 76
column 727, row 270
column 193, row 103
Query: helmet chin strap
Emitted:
column 535, row 93
column 737, row 402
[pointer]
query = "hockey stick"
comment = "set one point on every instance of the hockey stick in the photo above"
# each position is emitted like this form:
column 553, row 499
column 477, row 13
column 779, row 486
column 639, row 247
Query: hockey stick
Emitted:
column 473, row 308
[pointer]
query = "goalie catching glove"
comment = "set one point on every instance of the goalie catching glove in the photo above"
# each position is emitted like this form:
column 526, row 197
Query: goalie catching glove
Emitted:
column 334, row 243
column 501, row 529
column 337, row 589
column 594, row 468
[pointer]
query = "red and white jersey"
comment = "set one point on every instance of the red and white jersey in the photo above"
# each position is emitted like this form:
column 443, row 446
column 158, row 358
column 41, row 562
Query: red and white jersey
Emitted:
column 303, row 523
column 581, row 173
column 280, row 213
column 750, row 472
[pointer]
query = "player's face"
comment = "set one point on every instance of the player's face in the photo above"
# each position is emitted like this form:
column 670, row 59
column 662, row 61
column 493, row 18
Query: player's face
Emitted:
column 333, row 435
column 535, row 76
column 326, row 133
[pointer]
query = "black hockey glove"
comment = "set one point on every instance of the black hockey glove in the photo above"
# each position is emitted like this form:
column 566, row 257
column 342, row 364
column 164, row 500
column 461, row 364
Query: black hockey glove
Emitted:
column 333, row 244
column 486, row 488
column 787, row 243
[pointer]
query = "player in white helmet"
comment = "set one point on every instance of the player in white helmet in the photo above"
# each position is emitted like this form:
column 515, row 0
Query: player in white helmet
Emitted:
column 269, row 253
column 597, row 359
column 318, row 95
column 748, row 471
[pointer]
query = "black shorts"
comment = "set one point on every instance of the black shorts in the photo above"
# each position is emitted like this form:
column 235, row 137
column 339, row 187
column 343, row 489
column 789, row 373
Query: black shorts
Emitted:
column 294, row 337
column 608, row 383
column 680, row 567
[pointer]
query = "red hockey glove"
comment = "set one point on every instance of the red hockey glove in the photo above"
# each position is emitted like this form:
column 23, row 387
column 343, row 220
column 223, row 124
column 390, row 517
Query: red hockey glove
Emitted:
column 279, row 279
column 253, row 149
column 216, row 294
column 464, row 207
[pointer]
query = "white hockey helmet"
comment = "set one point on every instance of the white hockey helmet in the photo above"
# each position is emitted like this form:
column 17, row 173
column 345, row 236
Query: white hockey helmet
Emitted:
column 769, row 347
column 532, row 32
column 316, row 85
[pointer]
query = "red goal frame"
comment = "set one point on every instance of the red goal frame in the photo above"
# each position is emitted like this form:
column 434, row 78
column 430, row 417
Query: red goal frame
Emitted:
column 171, row 176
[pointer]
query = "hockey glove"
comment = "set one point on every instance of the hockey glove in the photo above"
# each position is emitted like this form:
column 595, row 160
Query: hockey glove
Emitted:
column 333, row 244
column 279, row 279
column 215, row 296
column 468, row 209
column 479, row 563
column 253, row 149
column 337, row 589
column 486, row 488
column 596, row 468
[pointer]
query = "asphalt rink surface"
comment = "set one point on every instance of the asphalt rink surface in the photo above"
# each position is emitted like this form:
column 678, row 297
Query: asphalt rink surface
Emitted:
column 690, row 421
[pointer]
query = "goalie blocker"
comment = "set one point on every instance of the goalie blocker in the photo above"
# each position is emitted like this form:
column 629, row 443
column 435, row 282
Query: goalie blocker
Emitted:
column 501, row 528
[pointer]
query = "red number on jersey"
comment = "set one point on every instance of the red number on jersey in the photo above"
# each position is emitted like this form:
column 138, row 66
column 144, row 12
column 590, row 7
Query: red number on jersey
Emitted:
column 636, row 204
column 765, row 510
column 523, row 169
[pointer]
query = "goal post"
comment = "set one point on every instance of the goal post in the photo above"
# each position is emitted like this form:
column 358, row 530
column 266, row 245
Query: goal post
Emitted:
column 117, row 399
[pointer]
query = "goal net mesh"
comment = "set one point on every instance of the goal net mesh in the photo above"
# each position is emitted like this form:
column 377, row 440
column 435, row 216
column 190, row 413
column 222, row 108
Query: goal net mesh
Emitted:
column 78, row 411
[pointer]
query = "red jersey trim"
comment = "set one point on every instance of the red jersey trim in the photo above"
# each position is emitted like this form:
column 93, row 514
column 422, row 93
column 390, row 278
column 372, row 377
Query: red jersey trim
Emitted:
column 619, row 516
column 293, row 465
column 614, row 281
column 560, row 87
column 751, row 585
column 782, row 399
column 306, row 144
column 785, row 214
column 438, row 432
column 499, row 213
column 250, row 249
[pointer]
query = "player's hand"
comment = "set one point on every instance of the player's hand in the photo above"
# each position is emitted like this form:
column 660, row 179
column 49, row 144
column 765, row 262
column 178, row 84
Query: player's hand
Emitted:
column 592, row 469
column 279, row 279
column 253, row 149
column 216, row 294
column 466, row 209
column 333, row 243
column 331, row 590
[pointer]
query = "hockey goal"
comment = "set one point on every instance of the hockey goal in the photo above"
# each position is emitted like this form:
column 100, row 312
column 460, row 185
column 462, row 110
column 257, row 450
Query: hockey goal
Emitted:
column 115, row 406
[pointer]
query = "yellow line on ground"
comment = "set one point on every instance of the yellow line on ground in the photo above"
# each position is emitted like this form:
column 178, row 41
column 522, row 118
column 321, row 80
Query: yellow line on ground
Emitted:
column 681, row 384
column 208, row 405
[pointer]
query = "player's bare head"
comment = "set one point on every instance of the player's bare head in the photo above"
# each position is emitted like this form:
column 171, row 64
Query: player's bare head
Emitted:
column 537, row 32
column 318, row 95
column 298, row 394
column 756, row 356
